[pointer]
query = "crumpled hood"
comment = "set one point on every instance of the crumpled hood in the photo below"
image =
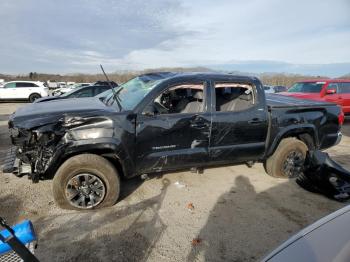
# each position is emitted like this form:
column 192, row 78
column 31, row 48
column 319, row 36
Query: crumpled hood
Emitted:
column 39, row 114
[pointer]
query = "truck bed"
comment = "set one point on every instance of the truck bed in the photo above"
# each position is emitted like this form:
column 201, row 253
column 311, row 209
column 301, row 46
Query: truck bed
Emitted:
column 280, row 101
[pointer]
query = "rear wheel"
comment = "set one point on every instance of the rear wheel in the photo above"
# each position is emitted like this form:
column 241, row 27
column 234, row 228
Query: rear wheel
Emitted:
column 288, row 159
column 34, row 97
column 86, row 181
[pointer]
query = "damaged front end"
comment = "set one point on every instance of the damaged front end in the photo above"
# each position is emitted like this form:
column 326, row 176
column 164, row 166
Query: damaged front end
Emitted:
column 325, row 176
column 33, row 149
column 39, row 148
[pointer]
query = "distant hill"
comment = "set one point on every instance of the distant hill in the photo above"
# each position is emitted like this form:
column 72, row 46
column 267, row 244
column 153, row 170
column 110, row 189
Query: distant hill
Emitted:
column 258, row 67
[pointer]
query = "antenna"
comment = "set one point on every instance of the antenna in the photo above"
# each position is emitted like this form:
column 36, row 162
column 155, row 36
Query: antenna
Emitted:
column 109, row 82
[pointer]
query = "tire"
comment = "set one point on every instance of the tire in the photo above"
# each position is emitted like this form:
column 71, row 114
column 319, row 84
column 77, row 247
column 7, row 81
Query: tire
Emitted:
column 34, row 97
column 72, row 174
column 288, row 159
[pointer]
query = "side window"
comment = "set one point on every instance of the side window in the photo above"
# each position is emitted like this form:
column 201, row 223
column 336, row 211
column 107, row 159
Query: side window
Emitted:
column 234, row 96
column 25, row 84
column 183, row 98
column 345, row 88
column 333, row 86
column 101, row 89
column 10, row 85
column 86, row 92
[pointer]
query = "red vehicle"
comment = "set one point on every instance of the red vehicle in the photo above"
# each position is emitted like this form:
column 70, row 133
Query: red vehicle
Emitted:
column 330, row 90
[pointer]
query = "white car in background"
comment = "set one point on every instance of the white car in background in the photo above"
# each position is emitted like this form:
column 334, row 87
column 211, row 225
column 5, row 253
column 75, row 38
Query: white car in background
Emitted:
column 23, row 90
column 269, row 89
column 66, row 89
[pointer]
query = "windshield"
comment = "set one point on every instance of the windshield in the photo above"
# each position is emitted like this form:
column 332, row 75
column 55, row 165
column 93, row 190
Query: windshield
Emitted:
column 131, row 92
column 306, row 87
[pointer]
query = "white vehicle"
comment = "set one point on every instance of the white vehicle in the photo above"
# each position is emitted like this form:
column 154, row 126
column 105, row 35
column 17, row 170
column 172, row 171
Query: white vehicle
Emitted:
column 27, row 90
column 63, row 90
column 269, row 89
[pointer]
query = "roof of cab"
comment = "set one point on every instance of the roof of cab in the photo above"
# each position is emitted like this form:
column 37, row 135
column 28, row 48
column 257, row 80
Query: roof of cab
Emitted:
column 187, row 75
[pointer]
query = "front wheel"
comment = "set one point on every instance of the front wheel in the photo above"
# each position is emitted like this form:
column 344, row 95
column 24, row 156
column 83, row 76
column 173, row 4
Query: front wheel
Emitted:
column 34, row 97
column 86, row 181
column 288, row 159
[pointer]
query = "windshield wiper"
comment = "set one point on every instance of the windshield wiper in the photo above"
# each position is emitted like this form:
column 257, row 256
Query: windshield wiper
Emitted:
column 115, row 93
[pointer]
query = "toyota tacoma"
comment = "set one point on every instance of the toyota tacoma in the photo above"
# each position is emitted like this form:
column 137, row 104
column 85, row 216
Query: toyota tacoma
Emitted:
column 162, row 122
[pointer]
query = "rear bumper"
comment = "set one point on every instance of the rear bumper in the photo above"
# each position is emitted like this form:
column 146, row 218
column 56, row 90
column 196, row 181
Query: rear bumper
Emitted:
column 340, row 135
column 331, row 140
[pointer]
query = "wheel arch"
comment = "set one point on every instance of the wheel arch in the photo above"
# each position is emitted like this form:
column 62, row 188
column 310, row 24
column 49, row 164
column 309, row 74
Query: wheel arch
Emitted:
column 107, row 151
column 305, row 133
column 34, row 93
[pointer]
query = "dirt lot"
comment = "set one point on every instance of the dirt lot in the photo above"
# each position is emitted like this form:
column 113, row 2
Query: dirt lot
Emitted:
column 239, row 214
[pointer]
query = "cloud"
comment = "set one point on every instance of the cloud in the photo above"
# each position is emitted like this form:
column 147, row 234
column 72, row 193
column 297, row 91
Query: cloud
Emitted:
column 75, row 36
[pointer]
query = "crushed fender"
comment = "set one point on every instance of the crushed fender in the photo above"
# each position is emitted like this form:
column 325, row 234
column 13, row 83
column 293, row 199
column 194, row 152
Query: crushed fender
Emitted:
column 325, row 176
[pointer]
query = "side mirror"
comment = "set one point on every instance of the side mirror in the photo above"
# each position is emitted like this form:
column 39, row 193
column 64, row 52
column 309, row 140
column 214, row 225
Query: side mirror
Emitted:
column 148, row 113
column 331, row 91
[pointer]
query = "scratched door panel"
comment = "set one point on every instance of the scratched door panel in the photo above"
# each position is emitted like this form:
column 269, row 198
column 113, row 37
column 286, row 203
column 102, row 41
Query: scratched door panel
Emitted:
column 172, row 141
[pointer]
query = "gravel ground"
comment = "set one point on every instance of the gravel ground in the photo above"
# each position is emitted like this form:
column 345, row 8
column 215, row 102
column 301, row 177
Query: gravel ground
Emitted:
column 236, row 213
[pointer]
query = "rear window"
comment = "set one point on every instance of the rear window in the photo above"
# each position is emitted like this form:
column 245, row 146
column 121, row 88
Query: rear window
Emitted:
column 306, row 87
column 25, row 84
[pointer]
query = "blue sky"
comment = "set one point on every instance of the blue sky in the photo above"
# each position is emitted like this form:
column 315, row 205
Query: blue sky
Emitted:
column 76, row 36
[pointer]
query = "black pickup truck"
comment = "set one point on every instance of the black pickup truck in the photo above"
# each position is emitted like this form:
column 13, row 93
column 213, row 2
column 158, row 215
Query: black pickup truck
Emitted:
column 162, row 122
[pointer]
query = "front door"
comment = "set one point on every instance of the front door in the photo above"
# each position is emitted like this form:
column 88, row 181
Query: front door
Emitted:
column 336, row 97
column 8, row 91
column 239, row 127
column 173, row 130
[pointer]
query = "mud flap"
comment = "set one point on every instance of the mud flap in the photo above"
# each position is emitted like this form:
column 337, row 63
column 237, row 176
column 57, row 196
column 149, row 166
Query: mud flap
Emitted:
column 325, row 176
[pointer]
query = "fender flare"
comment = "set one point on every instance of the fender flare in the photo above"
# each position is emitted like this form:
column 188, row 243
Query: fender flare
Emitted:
column 292, row 131
column 104, row 146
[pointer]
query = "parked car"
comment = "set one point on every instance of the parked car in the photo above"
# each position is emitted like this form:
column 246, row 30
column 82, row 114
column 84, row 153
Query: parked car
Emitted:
column 23, row 90
column 162, row 122
column 279, row 89
column 63, row 90
column 84, row 91
column 269, row 89
column 330, row 90
column 105, row 83
column 325, row 240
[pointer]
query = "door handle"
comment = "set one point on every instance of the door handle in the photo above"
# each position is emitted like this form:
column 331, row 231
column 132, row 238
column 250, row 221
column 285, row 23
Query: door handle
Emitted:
column 199, row 124
column 255, row 121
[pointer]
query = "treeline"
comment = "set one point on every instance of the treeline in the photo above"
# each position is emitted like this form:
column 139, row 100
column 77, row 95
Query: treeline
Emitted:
column 123, row 76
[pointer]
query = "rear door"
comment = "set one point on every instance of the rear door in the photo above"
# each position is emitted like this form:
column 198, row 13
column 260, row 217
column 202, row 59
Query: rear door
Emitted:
column 239, row 123
column 23, row 90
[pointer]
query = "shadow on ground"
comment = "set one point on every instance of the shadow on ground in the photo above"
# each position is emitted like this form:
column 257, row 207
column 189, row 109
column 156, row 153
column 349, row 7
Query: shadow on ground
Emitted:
column 11, row 208
column 236, row 224
column 116, row 234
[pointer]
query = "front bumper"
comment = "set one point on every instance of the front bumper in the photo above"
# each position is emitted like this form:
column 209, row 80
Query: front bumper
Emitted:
column 14, row 165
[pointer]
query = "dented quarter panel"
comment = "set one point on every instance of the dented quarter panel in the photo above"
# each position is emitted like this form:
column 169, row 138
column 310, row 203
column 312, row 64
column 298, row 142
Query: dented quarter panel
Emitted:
column 291, row 117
